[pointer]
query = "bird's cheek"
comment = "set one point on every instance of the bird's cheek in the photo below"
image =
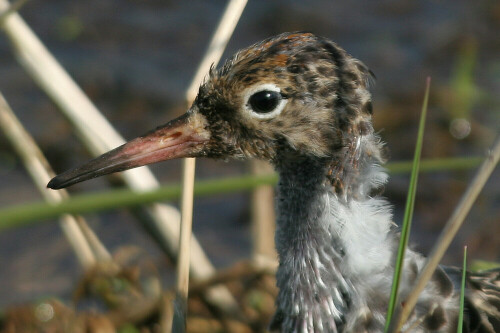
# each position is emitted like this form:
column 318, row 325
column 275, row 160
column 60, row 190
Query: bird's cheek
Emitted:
column 308, row 141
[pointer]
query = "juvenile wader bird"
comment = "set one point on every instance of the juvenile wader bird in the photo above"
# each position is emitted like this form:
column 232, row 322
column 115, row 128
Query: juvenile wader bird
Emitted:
column 302, row 103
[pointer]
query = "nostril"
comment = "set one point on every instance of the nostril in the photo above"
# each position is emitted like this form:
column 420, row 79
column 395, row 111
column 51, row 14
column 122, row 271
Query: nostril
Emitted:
column 170, row 137
column 175, row 135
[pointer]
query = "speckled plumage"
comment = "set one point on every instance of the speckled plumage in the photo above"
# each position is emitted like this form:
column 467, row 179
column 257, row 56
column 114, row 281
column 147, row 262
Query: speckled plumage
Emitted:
column 335, row 239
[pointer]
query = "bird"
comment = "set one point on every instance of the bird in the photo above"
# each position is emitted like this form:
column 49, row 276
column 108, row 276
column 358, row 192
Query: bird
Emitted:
column 303, row 103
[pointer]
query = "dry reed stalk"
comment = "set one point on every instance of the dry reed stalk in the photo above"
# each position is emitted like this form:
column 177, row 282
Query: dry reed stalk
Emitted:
column 450, row 230
column 13, row 8
column 99, row 136
column 40, row 171
column 217, row 45
column 166, row 312
column 212, row 56
column 263, row 217
column 98, row 248
column 186, row 228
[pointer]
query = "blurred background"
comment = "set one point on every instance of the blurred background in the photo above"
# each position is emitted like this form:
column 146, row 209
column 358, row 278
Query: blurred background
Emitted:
column 135, row 59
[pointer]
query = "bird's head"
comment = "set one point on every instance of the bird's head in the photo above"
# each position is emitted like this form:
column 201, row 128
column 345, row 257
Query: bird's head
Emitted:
column 295, row 94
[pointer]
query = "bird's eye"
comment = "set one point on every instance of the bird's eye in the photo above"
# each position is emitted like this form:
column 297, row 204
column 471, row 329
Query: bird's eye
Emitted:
column 264, row 101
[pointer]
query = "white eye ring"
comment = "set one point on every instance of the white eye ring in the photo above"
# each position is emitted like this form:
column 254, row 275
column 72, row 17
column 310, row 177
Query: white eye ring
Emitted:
column 260, row 88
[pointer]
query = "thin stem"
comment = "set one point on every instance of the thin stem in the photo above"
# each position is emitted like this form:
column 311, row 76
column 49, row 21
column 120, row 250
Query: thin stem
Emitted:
column 450, row 230
column 263, row 217
column 18, row 215
column 186, row 228
column 216, row 48
column 410, row 203
column 462, row 294
column 99, row 136
column 26, row 213
column 436, row 164
column 13, row 8
column 217, row 45
column 40, row 172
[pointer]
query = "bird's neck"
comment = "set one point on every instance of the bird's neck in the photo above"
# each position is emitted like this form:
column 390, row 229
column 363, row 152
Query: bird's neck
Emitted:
column 310, row 206
column 325, row 240
column 301, row 201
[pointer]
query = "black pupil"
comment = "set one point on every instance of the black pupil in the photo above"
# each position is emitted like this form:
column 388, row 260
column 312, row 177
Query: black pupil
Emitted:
column 264, row 101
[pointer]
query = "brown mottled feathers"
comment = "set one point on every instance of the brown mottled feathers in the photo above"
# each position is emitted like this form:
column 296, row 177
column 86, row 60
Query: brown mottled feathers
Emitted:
column 483, row 301
column 322, row 139
column 302, row 103
column 316, row 74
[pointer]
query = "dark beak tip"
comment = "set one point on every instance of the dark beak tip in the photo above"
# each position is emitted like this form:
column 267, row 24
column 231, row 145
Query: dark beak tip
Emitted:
column 54, row 184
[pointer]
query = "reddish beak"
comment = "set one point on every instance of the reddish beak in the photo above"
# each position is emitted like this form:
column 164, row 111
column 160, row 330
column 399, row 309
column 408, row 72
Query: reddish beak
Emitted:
column 185, row 136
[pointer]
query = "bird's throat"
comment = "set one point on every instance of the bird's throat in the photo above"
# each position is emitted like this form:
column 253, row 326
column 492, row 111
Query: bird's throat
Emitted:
column 309, row 276
column 325, row 242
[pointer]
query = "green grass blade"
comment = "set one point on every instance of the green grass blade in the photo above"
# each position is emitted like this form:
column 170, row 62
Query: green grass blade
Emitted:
column 482, row 265
column 24, row 214
column 410, row 204
column 462, row 294
column 464, row 92
column 27, row 213
column 435, row 164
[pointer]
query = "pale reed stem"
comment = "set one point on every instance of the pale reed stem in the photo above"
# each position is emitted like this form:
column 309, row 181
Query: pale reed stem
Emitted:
column 40, row 171
column 212, row 56
column 99, row 136
column 449, row 232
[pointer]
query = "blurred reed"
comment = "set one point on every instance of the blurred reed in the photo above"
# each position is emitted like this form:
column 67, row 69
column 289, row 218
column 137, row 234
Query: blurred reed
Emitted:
column 87, row 250
column 214, row 52
column 99, row 136
column 450, row 230
column 37, row 212
column 95, row 132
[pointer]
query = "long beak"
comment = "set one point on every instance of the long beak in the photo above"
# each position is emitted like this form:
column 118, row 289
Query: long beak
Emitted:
column 185, row 136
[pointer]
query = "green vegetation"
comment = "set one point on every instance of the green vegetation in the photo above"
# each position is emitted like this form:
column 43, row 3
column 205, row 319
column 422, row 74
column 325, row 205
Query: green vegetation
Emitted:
column 410, row 204
column 462, row 294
